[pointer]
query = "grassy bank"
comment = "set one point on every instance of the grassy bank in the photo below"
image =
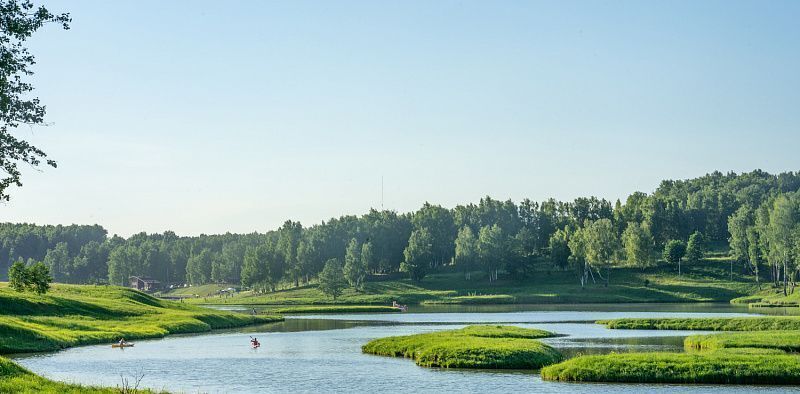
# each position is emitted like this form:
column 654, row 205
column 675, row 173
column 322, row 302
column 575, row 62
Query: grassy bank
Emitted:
column 72, row 315
column 15, row 379
column 707, row 282
column 785, row 341
column 706, row 324
column 335, row 309
column 471, row 347
column 710, row 368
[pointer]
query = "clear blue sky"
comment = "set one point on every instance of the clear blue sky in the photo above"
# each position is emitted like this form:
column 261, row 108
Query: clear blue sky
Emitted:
column 212, row 116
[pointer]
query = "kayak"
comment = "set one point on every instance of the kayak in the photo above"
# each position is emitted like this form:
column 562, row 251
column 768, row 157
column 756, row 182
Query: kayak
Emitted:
column 256, row 346
column 123, row 345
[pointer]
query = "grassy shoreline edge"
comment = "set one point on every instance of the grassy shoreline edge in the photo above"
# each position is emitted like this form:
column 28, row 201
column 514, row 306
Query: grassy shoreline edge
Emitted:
column 75, row 315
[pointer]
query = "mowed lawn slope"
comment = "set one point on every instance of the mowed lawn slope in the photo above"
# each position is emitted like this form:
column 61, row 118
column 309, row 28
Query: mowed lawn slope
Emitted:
column 709, row 281
column 71, row 315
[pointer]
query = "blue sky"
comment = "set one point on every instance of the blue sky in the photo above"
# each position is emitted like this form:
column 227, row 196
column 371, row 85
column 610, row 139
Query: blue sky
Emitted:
column 209, row 116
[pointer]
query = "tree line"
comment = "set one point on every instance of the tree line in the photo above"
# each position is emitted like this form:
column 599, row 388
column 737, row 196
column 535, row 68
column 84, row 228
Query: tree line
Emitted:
column 755, row 212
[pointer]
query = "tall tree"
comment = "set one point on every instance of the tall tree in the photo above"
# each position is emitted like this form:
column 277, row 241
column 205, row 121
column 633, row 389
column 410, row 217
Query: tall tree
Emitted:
column 602, row 245
column 354, row 269
column 674, row 251
column 18, row 276
column 695, row 248
column 59, row 263
column 638, row 243
column 418, row 255
column 19, row 19
column 331, row 280
column 466, row 253
column 559, row 248
column 491, row 249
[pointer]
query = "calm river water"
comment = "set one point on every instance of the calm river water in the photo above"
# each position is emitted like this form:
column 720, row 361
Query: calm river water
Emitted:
column 322, row 353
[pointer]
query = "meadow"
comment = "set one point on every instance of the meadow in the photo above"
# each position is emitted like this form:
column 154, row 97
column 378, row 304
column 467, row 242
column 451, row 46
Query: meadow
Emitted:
column 476, row 346
column 708, row 282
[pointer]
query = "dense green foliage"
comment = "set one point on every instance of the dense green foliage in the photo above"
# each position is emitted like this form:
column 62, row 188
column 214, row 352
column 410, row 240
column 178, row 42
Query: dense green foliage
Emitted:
column 706, row 324
column 471, row 347
column 71, row 315
column 19, row 19
column 497, row 238
column 714, row 367
column 332, row 281
column 35, row 277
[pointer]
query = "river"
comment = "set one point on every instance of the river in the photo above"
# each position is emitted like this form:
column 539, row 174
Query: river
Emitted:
column 322, row 353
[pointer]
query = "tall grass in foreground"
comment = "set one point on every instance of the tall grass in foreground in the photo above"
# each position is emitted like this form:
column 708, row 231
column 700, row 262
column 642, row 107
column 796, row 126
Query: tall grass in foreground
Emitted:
column 471, row 347
column 713, row 367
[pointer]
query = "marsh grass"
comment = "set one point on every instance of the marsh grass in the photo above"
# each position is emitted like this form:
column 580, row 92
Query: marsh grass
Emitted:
column 479, row 346
column 706, row 324
column 708, row 368
column 784, row 341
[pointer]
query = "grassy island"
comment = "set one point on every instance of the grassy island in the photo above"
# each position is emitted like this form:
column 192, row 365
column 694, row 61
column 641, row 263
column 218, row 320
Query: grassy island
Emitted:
column 478, row 346
column 756, row 354
column 713, row 367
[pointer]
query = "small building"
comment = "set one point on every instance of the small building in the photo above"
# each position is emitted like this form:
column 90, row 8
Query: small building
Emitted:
column 144, row 283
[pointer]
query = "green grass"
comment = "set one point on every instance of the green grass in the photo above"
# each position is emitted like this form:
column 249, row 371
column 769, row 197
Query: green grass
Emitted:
column 784, row 341
column 471, row 347
column 72, row 315
column 335, row 309
column 207, row 290
column 706, row 324
column 16, row 379
column 706, row 368
column 706, row 282
column 770, row 297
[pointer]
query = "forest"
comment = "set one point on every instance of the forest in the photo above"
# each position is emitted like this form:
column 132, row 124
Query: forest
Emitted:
column 755, row 216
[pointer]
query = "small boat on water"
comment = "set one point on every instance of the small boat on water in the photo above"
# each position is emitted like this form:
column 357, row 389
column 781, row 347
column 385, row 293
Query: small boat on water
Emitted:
column 122, row 345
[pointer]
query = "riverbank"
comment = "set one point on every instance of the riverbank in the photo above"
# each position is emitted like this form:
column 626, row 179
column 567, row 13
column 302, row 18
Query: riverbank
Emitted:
column 16, row 379
column 73, row 315
column 708, row 282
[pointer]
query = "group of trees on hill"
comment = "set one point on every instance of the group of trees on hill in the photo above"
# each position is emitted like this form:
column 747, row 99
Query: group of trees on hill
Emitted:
column 756, row 211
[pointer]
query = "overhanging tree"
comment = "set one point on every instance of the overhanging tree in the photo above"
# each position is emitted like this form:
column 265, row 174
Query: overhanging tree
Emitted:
column 18, row 21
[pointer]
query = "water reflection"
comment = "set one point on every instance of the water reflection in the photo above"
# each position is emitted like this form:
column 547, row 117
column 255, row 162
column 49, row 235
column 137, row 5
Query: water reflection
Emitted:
column 323, row 353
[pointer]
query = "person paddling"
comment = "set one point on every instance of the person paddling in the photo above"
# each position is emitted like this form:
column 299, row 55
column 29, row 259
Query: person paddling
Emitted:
column 254, row 342
column 122, row 342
